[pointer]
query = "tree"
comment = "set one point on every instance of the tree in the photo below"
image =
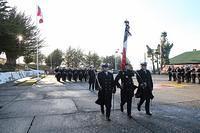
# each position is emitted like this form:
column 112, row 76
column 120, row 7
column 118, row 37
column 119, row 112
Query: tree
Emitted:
column 151, row 54
column 166, row 51
column 96, row 61
column 88, row 59
column 41, row 58
column 16, row 24
column 77, row 58
column 69, row 56
column 28, row 58
column 74, row 57
column 54, row 59
column 157, row 56
column 110, row 60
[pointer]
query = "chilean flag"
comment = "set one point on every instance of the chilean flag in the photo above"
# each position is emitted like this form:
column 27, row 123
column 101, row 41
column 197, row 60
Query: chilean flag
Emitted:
column 126, row 34
column 39, row 14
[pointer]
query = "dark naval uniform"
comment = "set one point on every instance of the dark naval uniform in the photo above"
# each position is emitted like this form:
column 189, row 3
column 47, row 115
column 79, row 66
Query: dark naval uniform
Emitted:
column 198, row 74
column 183, row 74
column 69, row 74
column 145, row 88
column 57, row 74
column 106, row 86
column 127, row 88
column 170, row 73
column 91, row 74
column 193, row 75
column 75, row 75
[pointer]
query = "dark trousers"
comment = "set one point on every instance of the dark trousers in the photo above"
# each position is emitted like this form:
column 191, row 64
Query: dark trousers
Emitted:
column 193, row 78
column 127, row 99
column 108, row 110
column 183, row 78
column 174, row 77
column 91, row 84
column 147, row 103
column 170, row 76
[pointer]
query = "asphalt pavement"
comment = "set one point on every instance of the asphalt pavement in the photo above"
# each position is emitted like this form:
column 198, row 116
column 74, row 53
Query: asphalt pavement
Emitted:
column 68, row 107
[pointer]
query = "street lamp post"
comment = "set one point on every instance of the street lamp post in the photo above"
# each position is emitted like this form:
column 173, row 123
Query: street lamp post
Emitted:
column 20, row 39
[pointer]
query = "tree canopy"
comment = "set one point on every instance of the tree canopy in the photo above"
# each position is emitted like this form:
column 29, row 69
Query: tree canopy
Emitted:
column 18, row 34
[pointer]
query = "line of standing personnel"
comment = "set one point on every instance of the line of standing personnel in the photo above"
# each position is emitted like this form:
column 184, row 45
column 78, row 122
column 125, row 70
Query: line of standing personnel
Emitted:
column 107, row 85
column 71, row 74
column 181, row 74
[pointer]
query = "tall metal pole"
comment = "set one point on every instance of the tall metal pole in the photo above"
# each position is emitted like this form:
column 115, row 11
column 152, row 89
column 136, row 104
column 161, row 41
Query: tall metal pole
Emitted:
column 37, row 62
column 145, row 59
column 37, row 43
column 115, row 62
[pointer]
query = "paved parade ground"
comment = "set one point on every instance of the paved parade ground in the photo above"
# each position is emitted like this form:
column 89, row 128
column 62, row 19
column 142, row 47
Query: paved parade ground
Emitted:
column 53, row 107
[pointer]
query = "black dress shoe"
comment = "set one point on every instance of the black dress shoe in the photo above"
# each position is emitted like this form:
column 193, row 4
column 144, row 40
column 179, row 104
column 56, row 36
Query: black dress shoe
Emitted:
column 130, row 116
column 138, row 107
column 108, row 119
column 102, row 112
column 121, row 108
column 148, row 113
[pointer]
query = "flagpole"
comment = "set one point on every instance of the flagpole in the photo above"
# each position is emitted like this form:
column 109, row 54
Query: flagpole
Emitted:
column 37, row 43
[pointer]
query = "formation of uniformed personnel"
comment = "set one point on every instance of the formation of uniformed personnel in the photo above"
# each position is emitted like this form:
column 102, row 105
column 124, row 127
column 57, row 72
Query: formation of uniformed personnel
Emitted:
column 92, row 77
column 187, row 74
column 69, row 74
column 127, row 88
column 145, row 87
column 106, row 86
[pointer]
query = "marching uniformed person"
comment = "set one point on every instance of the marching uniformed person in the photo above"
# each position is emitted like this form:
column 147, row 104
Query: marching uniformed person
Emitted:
column 145, row 87
column 106, row 86
column 127, row 88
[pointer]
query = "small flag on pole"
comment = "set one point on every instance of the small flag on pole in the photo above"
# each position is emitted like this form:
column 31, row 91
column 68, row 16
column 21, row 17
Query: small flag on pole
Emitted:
column 39, row 14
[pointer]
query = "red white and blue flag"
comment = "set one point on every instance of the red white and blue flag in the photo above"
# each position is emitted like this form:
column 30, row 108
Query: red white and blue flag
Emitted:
column 126, row 35
column 39, row 14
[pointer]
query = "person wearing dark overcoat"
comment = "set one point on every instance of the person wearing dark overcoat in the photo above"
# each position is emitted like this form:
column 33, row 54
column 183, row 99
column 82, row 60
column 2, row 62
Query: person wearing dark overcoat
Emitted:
column 145, row 87
column 92, row 78
column 106, row 86
column 127, row 88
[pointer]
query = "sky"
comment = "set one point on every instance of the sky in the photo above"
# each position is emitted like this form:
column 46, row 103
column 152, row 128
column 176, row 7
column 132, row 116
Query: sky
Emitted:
column 98, row 25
